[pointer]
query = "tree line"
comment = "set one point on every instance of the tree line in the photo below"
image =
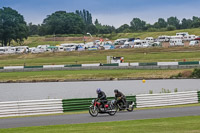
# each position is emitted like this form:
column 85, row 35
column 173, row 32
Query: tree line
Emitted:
column 14, row 27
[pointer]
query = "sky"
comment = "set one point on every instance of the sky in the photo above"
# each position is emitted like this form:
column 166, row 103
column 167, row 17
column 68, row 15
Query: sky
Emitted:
column 110, row 12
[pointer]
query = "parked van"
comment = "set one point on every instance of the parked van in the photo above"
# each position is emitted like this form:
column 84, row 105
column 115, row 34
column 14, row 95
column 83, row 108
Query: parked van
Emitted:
column 176, row 42
column 141, row 44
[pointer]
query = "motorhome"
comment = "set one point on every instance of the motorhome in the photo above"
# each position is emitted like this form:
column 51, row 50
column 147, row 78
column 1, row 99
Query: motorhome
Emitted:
column 69, row 47
column 43, row 47
column 120, row 41
column 163, row 38
column 141, row 44
column 22, row 49
column 35, row 50
column 186, row 36
column 149, row 39
column 7, row 50
column 176, row 42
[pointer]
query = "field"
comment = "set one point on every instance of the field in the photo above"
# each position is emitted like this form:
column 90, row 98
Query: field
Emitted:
column 86, row 75
column 84, row 57
column 189, row 124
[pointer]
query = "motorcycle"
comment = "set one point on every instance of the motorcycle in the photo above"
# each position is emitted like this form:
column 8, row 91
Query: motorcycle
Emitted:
column 97, row 108
column 129, row 106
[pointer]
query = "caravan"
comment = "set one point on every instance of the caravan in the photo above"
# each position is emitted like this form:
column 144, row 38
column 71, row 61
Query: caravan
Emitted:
column 7, row 50
column 22, row 49
column 176, row 42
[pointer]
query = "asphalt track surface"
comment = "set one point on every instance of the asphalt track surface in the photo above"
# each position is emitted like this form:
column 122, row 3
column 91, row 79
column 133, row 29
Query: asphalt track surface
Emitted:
column 86, row 118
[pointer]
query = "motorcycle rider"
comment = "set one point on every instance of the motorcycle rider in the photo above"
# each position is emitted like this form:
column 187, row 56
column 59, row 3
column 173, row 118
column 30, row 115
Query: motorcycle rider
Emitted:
column 120, row 98
column 101, row 97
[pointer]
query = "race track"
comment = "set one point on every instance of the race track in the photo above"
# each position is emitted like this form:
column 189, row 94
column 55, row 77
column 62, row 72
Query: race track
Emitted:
column 86, row 118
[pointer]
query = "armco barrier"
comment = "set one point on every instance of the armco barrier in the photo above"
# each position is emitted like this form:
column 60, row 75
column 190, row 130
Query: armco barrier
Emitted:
column 76, row 65
column 30, row 107
column 33, row 66
column 115, row 64
column 199, row 96
column 189, row 63
column 83, row 104
column 154, row 100
column 148, row 64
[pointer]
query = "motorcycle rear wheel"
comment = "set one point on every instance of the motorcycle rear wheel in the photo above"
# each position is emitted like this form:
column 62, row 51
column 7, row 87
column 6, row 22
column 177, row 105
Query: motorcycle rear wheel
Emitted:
column 130, row 109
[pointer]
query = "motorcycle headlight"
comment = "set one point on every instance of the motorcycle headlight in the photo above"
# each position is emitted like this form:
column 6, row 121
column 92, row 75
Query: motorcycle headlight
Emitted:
column 92, row 102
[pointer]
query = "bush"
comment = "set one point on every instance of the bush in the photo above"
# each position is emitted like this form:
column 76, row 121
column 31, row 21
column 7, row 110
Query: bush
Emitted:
column 171, row 28
column 196, row 73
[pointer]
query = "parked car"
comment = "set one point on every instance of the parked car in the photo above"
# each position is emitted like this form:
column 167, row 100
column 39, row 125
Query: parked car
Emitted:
column 193, row 43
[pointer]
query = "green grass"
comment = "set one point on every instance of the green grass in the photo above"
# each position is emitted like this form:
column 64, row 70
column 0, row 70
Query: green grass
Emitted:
column 130, row 55
column 86, row 75
column 189, row 124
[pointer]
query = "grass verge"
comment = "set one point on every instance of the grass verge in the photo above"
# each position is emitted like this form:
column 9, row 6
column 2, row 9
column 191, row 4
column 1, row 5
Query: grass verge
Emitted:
column 85, row 57
column 75, row 75
column 163, row 125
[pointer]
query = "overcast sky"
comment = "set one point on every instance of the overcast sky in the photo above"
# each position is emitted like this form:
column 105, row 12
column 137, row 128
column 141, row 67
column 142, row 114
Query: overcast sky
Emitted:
column 111, row 12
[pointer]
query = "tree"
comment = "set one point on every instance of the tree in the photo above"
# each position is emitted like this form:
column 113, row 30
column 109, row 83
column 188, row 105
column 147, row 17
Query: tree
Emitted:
column 161, row 23
column 33, row 29
column 196, row 22
column 186, row 23
column 12, row 26
column 173, row 21
column 86, row 16
column 123, row 29
column 137, row 24
column 92, row 29
column 97, row 22
column 62, row 22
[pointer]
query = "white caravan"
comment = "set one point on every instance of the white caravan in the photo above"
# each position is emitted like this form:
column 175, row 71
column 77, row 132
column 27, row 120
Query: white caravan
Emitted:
column 43, row 47
column 22, row 49
column 163, row 38
column 35, row 50
column 69, row 47
column 149, row 39
column 141, row 44
column 176, row 42
column 186, row 36
column 7, row 50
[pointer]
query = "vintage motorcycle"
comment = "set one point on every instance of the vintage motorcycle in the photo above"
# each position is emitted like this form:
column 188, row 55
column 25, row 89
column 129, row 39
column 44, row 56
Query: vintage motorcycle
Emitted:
column 97, row 108
column 129, row 106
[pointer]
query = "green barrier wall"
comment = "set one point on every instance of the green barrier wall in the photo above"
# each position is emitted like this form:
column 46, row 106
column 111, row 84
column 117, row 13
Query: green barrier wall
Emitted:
column 199, row 95
column 83, row 104
column 189, row 63
column 76, row 65
column 33, row 66
column 148, row 64
column 110, row 64
column 1, row 67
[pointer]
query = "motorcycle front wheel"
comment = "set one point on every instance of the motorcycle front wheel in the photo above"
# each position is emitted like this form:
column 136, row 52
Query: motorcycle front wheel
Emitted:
column 113, row 111
column 93, row 111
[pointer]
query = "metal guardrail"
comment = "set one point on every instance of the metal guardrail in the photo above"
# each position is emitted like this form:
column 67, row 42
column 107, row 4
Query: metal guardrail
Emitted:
column 30, row 107
column 153, row 100
column 51, row 106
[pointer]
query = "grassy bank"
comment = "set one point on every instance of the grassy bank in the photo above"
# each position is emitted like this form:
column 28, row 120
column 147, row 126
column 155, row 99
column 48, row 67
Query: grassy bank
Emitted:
column 163, row 125
column 84, row 57
column 86, row 75
column 142, row 35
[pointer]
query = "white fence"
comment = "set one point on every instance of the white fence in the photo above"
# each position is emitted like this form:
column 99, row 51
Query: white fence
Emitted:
column 154, row 100
column 30, row 107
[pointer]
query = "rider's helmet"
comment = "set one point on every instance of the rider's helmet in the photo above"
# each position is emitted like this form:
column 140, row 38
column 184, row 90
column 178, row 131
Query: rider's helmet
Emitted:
column 98, row 90
column 116, row 91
